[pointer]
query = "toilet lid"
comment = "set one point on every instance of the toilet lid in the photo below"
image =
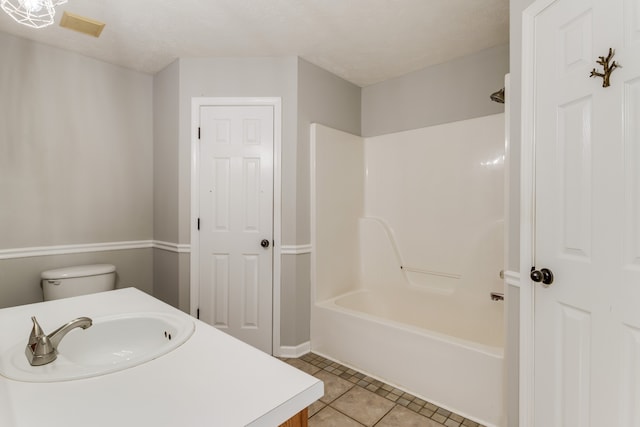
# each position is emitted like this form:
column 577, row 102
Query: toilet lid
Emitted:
column 78, row 271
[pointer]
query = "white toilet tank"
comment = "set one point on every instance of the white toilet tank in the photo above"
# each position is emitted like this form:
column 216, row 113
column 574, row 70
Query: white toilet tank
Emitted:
column 78, row 280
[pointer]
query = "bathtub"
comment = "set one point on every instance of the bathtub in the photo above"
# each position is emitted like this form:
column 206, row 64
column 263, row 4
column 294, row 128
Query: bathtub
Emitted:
column 448, row 351
column 407, row 237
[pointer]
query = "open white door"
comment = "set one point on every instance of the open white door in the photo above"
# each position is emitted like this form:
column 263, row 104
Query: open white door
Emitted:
column 586, row 214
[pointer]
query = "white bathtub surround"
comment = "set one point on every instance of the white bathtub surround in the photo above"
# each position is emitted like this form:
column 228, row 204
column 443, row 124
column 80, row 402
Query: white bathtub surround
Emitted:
column 212, row 379
column 402, row 272
column 440, row 190
column 337, row 184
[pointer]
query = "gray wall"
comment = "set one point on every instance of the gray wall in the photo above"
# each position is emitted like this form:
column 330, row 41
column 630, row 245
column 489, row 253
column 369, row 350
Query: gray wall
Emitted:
column 75, row 162
column 20, row 277
column 142, row 192
column 236, row 77
column 166, row 269
column 443, row 93
column 309, row 94
column 166, row 95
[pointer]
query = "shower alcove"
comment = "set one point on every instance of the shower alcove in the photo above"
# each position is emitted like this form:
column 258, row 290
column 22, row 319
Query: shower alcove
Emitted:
column 407, row 237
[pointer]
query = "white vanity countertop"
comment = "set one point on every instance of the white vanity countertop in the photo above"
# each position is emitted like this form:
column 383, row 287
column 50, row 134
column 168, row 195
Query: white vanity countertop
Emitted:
column 211, row 380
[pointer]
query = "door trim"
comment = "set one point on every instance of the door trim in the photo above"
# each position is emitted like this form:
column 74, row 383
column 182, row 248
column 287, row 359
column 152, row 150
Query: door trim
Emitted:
column 276, row 103
column 527, row 212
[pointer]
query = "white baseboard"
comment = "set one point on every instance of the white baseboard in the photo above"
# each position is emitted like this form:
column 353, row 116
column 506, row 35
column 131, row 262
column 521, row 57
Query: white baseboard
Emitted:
column 297, row 351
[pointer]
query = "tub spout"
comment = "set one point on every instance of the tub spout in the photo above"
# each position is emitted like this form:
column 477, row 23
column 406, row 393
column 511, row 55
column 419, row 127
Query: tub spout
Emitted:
column 497, row 296
column 42, row 349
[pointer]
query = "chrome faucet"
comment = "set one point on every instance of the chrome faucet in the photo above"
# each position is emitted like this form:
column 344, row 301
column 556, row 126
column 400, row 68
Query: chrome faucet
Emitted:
column 42, row 348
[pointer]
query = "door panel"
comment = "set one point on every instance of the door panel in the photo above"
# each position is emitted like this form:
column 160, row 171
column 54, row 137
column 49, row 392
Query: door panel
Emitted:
column 221, row 196
column 250, row 303
column 632, row 22
column 574, row 178
column 252, row 183
column 575, row 37
column 573, row 350
column 236, row 211
column 220, row 284
column 632, row 175
column 585, row 185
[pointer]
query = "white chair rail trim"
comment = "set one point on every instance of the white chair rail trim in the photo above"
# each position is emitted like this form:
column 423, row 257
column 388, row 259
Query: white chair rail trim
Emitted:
column 172, row 247
column 295, row 249
column 512, row 278
column 15, row 253
column 91, row 247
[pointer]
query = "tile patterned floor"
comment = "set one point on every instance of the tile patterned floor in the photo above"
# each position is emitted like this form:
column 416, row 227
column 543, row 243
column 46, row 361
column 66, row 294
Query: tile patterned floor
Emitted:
column 354, row 399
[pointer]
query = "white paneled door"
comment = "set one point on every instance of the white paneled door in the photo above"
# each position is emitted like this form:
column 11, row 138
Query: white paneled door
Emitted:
column 236, row 221
column 587, row 215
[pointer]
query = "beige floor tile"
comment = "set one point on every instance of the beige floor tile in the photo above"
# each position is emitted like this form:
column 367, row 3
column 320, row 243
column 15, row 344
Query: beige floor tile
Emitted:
column 334, row 386
column 363, row 405
column 316, row 407
column 303, row 366
column 329, row 417
column 403, row 417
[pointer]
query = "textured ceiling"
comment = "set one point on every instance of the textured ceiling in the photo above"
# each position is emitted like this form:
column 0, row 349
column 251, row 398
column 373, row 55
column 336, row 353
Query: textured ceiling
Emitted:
column 362, row 41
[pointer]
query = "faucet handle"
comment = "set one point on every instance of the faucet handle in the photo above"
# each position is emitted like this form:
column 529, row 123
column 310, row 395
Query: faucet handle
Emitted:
column 43, row 347
column 39, row 350
column 36, row 332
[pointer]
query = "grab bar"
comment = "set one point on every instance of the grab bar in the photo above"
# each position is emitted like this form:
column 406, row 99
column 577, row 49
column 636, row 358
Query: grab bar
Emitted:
column 497, row 296
column 433, row 273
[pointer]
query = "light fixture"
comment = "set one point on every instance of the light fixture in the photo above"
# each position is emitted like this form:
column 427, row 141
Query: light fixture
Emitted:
column 32, row 13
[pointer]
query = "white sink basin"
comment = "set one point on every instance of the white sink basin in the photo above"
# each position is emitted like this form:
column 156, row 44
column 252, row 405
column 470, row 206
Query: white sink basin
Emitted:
column 111, row 344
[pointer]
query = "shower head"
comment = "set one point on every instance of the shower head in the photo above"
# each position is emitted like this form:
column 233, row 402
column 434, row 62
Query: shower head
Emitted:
column 498, row 96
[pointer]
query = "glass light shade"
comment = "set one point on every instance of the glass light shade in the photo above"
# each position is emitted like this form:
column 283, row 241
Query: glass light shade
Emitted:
column 32, row 13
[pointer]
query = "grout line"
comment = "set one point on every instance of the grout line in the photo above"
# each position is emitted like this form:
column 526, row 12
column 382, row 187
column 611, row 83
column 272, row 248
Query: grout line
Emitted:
column 385, row 414
column 346, row 415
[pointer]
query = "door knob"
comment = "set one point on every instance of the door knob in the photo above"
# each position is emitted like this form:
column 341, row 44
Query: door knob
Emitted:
column 543, row 275
column 264, row 243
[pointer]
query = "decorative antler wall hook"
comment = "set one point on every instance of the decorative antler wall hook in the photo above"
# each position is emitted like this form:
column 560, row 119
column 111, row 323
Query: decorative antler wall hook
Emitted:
column 608, row 68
